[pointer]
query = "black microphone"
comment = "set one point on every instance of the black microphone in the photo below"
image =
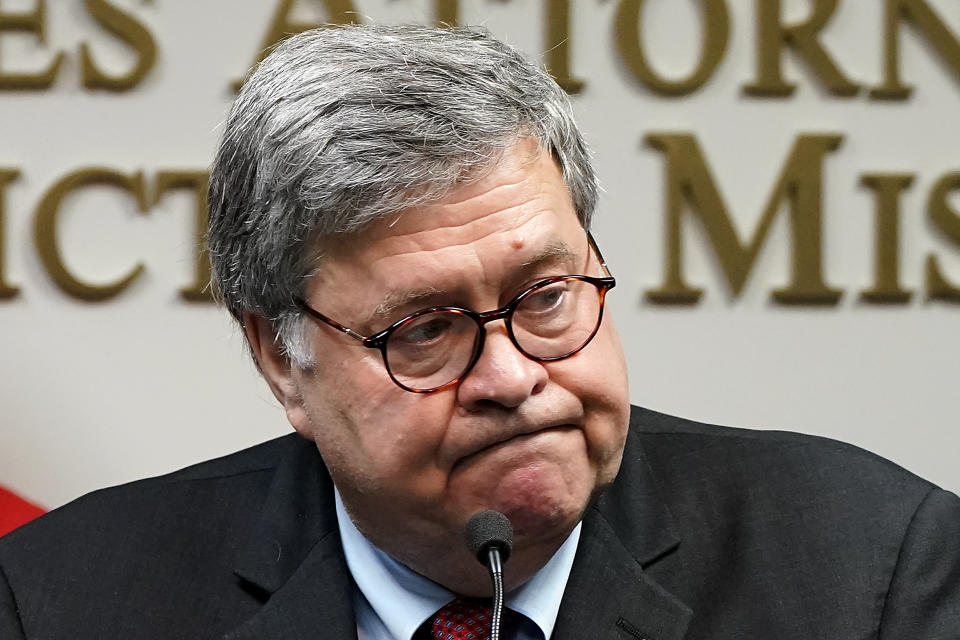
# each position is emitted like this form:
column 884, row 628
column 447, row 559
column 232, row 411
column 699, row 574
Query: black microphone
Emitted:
column 490, row 538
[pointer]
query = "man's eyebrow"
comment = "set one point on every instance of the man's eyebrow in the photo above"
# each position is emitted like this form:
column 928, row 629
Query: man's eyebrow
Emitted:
column 552, row 253
column 394, row 300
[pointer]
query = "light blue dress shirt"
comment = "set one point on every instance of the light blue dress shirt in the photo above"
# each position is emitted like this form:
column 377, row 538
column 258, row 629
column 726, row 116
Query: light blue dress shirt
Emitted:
column 392, row 601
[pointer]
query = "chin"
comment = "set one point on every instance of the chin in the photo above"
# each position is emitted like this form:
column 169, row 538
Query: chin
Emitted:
column 544, row 517
column 543, row 491
column 532, row 529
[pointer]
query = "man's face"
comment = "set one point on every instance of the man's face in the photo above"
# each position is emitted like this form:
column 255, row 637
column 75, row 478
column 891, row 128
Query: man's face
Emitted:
column 532, row 440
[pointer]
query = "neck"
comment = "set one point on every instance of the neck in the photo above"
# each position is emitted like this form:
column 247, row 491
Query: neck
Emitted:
column 446, row 560
column 459, row 571
column 440, row 553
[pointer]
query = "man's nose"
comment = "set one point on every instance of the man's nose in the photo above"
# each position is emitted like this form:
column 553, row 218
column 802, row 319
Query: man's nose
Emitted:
column 502, row 376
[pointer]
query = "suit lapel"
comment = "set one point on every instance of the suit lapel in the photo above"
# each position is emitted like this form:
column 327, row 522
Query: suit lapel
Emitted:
column 313, row 603
column 293, row 559
column 609, row 594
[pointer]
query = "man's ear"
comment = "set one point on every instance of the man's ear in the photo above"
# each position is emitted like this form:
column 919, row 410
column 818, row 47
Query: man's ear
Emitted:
column 275, row 366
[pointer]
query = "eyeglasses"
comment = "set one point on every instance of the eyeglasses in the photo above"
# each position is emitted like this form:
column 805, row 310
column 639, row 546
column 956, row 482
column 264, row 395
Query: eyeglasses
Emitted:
column 435, row 348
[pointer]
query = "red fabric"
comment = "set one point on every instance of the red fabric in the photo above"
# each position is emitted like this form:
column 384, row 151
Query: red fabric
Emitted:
column 462, row 620
column 15, row 511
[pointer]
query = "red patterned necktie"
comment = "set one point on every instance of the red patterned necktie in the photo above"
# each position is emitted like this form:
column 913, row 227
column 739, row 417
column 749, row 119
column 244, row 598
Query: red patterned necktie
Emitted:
column 461, row 620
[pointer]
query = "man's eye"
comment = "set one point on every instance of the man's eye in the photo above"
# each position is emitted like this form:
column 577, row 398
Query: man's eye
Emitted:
column 423, row 331
column 546, row 299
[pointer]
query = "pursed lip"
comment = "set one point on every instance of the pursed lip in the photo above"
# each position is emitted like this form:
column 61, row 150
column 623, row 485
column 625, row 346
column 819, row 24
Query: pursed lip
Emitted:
column 504, row 436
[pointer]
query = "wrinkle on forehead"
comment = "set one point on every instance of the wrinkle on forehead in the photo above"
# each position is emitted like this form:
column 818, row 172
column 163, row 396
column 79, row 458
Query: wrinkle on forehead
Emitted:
column 525, row 180
column 555, row 254
column 439, row 226
column 461, row 239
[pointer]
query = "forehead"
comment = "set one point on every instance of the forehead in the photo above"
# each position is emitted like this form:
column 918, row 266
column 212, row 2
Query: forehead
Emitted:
column 518, row 215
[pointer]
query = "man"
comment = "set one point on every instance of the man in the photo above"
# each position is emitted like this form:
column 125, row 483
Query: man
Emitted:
column 399, row 223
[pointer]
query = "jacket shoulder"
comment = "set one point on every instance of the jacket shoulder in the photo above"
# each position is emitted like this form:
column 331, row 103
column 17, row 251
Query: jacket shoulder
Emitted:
column 797, row 528
column 170, row 541
column 224, row 487
column 773, row 456
column 201, row 480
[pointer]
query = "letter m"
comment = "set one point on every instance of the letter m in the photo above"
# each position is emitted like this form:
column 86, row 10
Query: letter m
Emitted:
column 690, row 187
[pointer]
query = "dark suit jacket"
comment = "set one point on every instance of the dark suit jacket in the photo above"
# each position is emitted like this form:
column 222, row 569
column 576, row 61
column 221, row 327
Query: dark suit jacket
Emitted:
column 707, row 532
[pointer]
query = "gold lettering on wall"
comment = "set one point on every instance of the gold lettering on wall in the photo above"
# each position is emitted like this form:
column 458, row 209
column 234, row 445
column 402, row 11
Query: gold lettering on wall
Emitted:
column 282, row 26
column 800, row 183
column 446, row 13
column 886, row 254
column 33, row 23
column 773, row 37
column 7, row 290
column 46, row 226
column 716, row 32
column 558, row 46
column 946, row 220
column 196, row 182
column 931, row 26
column 134, row 34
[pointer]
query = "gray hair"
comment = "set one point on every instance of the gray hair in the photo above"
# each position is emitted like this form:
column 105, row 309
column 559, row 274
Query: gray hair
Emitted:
column 340, row 126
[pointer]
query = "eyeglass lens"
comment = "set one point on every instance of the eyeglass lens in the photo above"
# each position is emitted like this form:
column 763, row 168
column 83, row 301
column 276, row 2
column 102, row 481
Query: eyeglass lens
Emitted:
column 549, row 322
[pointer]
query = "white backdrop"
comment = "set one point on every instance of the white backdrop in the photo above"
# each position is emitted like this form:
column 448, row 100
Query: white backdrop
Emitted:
column 95, row 394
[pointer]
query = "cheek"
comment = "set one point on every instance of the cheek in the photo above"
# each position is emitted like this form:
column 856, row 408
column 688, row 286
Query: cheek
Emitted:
column 612, row 349
column 607, row 380
column 598, row 376
column 598, row 373
column 371, row 433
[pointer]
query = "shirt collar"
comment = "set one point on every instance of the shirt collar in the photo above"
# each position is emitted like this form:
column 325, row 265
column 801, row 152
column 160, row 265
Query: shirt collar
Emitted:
column 402, row 599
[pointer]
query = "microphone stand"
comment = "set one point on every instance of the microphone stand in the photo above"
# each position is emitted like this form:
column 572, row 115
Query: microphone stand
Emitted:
column 496, row 574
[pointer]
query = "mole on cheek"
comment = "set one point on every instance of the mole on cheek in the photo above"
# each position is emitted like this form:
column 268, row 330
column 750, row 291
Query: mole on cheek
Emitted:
column 517, row 243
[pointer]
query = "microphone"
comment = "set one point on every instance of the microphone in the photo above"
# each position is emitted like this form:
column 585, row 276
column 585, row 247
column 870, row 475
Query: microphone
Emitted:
column 490, row 538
